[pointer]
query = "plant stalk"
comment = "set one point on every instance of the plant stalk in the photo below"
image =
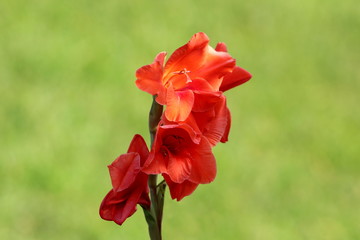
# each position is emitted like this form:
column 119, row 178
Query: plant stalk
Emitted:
column 154, row 215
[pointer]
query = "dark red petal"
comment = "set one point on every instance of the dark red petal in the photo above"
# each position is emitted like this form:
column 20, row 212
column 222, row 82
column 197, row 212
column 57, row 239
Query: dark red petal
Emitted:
column 179, row 167
column 225, row 136
column 106, row 210
column 221, row 47
column 180, row 190
column 203, row 164
column 112, row 208
column 149, row 77
column 138, row 145
column 179, row 104
column 144, row 200
column 237, row 77
column 124, row 170
column 129, row 207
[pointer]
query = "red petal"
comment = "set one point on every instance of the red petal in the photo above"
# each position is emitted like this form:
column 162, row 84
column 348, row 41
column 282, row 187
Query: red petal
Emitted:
column 124, row 170
column 138, row 145
column 129, row 207
column 216, row 123
column 188, row 55
column 144, row 200
column 200, row 84
column 180, row 190
column 179, row 104
column 118, row 206
column 179, row 167
column 203, row 164
column 156, row 162
column 107, row 210
column 221, row 47
column 215, row 66
column 161, row 97
column 204, row 101
column 236, row 78
column 225, row 136
column 189, row 125
column 149, row 77
column 113, row 209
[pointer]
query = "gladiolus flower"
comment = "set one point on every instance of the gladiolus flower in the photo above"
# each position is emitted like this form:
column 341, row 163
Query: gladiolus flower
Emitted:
column 129, row 184
column 194, row 66
column 182, row 154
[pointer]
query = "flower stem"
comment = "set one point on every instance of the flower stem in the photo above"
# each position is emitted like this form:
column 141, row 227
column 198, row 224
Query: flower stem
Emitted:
column 154, row 216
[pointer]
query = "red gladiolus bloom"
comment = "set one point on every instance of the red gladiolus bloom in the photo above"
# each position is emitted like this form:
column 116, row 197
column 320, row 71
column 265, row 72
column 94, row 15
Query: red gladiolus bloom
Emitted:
column 194, row 66
column 129, row 184
column 181, row 153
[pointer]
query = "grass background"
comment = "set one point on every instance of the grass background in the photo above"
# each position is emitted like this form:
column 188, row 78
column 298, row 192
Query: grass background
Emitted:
column 69, row 106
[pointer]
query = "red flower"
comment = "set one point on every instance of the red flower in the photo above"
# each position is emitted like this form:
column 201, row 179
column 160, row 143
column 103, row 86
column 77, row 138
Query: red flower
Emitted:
column 129, row 183
column 194, row 66
column 181, row 153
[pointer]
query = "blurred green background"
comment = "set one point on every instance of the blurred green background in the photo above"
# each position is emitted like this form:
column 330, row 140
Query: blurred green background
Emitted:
column 69, row 106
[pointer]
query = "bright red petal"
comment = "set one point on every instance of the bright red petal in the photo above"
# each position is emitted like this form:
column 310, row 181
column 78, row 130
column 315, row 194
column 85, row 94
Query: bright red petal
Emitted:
column 156, row 162
column 124, row 170
column 149, row 77
column 203, row 164
column 180, row 190
column 200, row 84
column 179, row 167
column 204, row 101
column 236, row 78
column 179, row 104
column 215, row 66
column 216, row 123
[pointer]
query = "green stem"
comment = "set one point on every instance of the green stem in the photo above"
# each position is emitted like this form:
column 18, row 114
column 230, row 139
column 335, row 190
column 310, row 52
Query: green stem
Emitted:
column 154, row 216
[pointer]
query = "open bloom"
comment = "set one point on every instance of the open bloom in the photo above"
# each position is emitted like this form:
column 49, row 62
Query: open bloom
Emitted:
column 192, row 69
column 182, row 154
column 129, row 184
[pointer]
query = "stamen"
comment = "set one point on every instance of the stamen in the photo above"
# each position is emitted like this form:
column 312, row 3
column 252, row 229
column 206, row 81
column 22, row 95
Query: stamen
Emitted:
column 184, row 71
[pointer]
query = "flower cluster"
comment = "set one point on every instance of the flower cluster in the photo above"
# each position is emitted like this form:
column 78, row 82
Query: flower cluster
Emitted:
column 190, row 84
